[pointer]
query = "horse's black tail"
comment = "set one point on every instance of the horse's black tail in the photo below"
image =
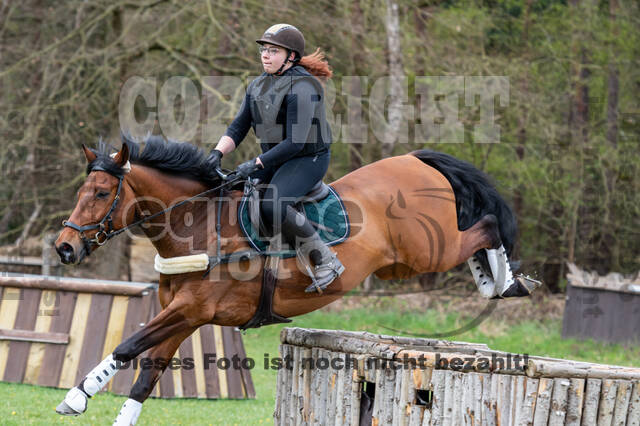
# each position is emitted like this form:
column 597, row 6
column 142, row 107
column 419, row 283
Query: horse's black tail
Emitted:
column 475, row 195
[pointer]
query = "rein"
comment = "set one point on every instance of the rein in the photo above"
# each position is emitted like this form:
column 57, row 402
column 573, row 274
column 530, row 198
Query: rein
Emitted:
column 104, row 234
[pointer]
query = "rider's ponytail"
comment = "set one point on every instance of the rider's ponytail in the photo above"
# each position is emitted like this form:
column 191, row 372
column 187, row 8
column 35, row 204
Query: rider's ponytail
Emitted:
column 317, row 65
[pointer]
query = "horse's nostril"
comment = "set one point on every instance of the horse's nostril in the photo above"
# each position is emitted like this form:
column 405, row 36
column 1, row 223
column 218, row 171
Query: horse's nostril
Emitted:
column 65, row 251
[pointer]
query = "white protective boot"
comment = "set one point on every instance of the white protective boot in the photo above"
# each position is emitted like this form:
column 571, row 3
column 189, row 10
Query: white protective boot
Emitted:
column 75, row 402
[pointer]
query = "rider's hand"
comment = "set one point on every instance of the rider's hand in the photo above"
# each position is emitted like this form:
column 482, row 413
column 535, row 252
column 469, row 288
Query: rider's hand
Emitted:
column 248, row 167
column 213, row 160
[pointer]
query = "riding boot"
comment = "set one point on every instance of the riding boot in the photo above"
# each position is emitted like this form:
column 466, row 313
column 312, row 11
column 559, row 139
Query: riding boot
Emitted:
column 304, row 239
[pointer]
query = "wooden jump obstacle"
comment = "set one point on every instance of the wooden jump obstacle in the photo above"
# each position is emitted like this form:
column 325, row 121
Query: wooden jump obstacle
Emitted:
column 54, row 330
column 603, row 308
column 380, row 385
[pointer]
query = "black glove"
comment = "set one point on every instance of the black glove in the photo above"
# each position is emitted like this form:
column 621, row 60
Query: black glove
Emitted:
column 213, row 160
column 248, row 167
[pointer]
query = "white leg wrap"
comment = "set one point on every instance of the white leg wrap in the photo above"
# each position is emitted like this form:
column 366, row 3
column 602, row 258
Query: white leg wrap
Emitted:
column 100, row 375
column 500, row 269
column 486, row 286
column 128, row 413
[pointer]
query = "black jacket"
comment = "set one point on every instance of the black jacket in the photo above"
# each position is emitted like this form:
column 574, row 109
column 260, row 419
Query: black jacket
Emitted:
column 287, row 114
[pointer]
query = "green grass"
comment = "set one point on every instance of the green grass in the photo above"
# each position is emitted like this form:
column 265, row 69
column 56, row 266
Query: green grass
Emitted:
column 25, row 404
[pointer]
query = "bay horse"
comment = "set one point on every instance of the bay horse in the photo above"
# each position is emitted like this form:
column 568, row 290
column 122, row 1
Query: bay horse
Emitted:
column 420, row 212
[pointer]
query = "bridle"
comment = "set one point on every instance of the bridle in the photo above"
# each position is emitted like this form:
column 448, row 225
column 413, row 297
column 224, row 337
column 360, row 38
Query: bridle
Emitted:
column 105, row 233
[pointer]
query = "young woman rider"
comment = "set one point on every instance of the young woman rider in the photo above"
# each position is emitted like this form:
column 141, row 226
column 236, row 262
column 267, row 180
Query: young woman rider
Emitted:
column 285, row 107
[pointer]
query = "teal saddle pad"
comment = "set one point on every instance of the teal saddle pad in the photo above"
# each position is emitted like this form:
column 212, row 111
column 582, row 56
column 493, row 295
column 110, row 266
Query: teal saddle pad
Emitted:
column 328, row 217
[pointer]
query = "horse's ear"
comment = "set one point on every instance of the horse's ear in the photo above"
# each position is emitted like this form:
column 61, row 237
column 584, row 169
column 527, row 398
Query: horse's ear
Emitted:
column 122, row 156
column 88, row 154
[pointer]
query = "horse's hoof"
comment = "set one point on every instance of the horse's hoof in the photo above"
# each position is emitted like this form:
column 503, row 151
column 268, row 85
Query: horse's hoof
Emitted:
column 74, row 403
column 65, row 410
column 522, row 286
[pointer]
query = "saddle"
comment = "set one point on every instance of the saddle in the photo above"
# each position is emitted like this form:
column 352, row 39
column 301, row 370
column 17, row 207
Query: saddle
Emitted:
column 322, row 207
column 319, row 192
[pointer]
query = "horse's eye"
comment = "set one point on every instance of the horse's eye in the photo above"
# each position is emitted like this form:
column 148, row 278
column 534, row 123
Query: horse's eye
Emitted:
column 102, row 194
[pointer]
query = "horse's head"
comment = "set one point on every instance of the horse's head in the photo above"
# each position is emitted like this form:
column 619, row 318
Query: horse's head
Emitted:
column 101, row 208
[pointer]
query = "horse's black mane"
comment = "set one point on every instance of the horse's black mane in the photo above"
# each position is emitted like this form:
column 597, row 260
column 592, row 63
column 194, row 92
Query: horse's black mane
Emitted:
column 178, row 158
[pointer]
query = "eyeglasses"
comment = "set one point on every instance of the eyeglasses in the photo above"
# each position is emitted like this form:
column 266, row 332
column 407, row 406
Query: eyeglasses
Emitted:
column 271, row 50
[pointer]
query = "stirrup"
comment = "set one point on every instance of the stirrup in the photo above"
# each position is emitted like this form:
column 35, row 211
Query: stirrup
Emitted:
column 336, row 269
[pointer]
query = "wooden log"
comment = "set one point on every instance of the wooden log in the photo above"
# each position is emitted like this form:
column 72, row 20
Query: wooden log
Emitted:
column 337, row 342
column 503, row 408
column 457, row 399
column 346, row 393
column 307, row 372
column 293, row 393
column 467, row 408
column 416, row 415
column 405, row 398
column 389, row 387
column 525, row 414
column 293, row 335
column 591, row 402
column 80, row 285
column 517, row 398
column 422, row 378
column 447, row 412
column 543, row 402
column 575, row 402
column 34, row 336
column 426, row 418
column 338, row 399
column 622, row 403
column 280, row 392
column 356, row 394
column 332, row 376
column 567, row 369
column 489, row 401
column 477, row 381
column 633, row 416
column 558, row 411
column 286, row 384
column 437, row 404
column 607, row 402
column 323, row 390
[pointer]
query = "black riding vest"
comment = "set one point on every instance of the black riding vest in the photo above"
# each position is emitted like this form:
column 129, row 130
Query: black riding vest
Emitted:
column 267, row 94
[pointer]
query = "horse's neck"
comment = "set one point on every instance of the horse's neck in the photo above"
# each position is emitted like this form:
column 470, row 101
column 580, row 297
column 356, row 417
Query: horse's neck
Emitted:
column 178, row 235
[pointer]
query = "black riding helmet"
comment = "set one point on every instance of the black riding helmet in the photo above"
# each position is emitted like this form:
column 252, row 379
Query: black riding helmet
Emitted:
column 287, row 36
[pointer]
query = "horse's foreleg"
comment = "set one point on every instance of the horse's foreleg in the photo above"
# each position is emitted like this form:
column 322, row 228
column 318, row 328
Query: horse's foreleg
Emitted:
column 160, row 355
column 75, row 402
column 177, row 317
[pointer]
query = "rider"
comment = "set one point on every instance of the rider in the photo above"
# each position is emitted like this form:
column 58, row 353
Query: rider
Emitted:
column 285, row 107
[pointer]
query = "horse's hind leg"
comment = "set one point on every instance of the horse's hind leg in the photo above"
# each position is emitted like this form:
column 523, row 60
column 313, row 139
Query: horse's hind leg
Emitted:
column 492, row 274
column 160, row 355
column 484, row 234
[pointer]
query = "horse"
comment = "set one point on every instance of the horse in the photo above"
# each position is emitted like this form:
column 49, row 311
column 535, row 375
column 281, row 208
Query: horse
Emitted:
column 419, row 212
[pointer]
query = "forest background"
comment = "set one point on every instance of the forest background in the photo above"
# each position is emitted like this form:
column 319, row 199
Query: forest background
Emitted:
column 567, row 155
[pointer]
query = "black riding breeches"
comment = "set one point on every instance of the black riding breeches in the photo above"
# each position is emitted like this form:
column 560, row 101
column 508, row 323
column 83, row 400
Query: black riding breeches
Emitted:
column 287, row 183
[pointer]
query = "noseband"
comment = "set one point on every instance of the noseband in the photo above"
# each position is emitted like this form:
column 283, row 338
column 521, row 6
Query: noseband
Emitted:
column 105, row 233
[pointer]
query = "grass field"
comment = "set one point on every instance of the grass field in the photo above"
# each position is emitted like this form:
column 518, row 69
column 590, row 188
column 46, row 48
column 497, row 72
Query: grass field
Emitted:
column 25, row 404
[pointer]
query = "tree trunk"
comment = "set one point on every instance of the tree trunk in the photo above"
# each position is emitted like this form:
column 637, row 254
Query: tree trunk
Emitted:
column 356, row 150
column 396, row 73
